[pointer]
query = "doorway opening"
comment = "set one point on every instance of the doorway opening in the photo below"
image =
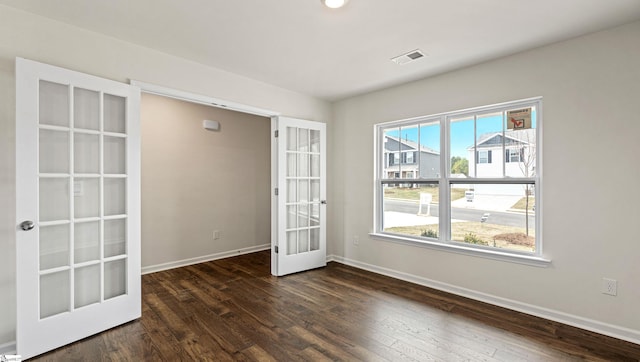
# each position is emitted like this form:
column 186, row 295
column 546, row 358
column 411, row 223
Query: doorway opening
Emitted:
column 205, row 193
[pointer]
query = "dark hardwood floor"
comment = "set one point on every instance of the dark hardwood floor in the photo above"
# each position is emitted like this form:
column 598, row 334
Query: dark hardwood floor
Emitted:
column 233, row 309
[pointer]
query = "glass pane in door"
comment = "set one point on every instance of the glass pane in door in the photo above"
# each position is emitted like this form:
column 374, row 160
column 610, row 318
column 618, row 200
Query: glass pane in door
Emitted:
column 54, row 151
column 54, row 293
column 292, row 187
column 303, row 240
column 292, row 139
column 115, row 196
column 292, row 242
column 303, row 215
column 315, row 191
column 54, row 104
column 292, row 213
column 54, row 246
column 86, row 285
column 54, row 199
column 314, row 239
column 115, row 114
column 303, row 191
column 115, row 237
column 86, row 109
column 86, row 197
column 115, row 278
column 303, row 140
column 315, row 165
column 86, row 153
column 87, row 242
column 115, row 155
column 291, row 164
column 314, row 140
column 314, row 217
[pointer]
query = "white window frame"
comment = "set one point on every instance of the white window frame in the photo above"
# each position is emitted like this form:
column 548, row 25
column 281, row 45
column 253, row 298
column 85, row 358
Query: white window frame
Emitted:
column 445, row 181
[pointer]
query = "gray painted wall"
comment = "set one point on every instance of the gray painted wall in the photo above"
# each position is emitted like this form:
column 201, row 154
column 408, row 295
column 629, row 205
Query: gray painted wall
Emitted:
column 591, row 88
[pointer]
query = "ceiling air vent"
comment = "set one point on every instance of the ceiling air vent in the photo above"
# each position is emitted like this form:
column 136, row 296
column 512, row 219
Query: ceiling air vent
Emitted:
column 408, row 57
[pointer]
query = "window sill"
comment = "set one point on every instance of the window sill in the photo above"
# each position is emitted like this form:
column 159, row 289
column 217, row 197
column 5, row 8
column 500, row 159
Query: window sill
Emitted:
column 530, row 260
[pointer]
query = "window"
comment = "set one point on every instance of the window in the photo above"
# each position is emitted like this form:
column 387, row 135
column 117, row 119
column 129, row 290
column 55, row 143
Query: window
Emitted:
column 514, row 155
column 409, row 157
column 474, row 180
column 484, row 156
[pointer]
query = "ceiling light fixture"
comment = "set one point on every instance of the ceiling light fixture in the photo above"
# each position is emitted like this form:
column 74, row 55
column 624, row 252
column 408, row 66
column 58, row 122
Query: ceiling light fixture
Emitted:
column 334, row 4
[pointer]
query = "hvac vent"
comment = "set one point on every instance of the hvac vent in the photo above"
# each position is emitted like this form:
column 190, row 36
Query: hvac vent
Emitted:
column 408, row 57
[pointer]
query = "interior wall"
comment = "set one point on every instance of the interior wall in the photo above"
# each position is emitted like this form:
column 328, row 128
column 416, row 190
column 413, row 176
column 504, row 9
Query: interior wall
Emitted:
column 196, row 181
column 7, row 205
column 37, row 38
column 589, row 210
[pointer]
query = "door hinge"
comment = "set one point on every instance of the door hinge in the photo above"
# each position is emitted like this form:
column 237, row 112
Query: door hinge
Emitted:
column 276, row 248
column 276, row 191
column 276, row 134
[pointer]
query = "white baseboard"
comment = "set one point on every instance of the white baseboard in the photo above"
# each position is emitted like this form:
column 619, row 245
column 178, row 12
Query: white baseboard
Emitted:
column 619, row 332
column 202, row 259
column 8, row 348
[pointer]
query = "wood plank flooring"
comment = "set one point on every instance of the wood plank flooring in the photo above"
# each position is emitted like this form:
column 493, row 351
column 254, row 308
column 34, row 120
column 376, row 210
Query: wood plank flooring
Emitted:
column 234, row 310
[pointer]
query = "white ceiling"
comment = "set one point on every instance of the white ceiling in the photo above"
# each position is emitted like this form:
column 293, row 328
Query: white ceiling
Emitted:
column 333, row 54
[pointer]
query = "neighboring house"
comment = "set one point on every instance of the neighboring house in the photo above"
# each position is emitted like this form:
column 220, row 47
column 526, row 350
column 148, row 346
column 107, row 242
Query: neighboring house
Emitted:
column 512, row 153
column 402, row 159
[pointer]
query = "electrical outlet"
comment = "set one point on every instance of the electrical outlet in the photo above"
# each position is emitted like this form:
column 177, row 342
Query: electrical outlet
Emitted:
column 216, row 234
column 356, row 240
column 609, row 286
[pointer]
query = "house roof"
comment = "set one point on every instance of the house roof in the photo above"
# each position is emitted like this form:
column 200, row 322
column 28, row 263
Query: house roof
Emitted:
column 411, row 145
column 519, row 137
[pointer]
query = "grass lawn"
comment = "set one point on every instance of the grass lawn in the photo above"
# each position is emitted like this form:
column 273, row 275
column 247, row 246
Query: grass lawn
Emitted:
column 521, row 204
column 484, row 232
column 406, row 193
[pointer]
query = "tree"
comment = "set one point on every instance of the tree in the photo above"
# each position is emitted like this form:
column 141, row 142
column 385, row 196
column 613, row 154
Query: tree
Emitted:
column 460, row 165
column 527, row 166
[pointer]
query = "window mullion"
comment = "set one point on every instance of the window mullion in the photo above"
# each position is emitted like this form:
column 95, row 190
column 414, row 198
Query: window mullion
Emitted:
column 418, row 154
column 504, row 155
column 475, row 146
column 400, row 152
column 444, row 207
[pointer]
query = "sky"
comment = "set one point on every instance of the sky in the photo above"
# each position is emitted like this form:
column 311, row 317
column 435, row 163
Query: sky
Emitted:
column 462, row 133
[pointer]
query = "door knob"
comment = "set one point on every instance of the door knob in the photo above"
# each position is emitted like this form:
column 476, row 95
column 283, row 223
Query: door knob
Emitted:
column 27, row 225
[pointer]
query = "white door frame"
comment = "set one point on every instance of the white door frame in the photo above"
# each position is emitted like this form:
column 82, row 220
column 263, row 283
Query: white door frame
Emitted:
column 200, row 99
column 242, row 108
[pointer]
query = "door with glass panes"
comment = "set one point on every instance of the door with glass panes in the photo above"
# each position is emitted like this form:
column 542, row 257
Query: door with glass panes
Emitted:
column 78, row 205
column 301, row 235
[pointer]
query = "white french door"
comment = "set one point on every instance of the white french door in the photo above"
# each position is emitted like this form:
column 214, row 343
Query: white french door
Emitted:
column 78, row 205
column 299, row 242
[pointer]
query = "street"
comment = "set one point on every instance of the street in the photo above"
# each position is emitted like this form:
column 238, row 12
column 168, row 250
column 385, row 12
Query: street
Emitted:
column 496, row 217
